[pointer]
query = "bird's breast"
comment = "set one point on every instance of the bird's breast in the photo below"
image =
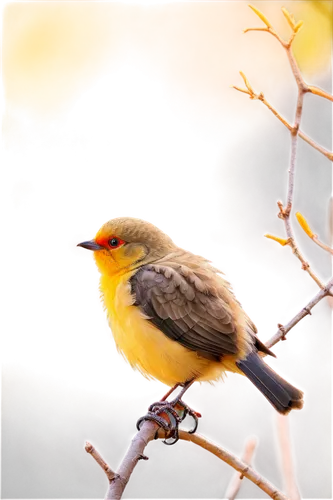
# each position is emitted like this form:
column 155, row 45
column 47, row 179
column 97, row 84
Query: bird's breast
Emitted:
column 146, row 348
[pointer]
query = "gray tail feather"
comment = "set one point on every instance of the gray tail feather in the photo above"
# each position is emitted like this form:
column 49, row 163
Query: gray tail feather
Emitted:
column 282, row 395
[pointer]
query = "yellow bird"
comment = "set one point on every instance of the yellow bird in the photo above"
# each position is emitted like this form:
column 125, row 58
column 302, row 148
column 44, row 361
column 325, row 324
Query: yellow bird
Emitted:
column 174, row 317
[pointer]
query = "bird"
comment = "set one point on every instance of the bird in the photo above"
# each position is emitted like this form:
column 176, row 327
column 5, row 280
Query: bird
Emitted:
column 174, row 316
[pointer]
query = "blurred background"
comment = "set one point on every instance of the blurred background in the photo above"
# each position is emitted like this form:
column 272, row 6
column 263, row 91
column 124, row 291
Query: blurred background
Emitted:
column 125, row 109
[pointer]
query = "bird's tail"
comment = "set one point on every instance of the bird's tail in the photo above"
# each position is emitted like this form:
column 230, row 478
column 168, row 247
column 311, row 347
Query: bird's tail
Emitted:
column 282, row 395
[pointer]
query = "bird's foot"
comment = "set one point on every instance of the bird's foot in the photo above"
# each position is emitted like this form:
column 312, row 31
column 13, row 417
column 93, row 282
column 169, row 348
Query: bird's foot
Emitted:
column 184, row 410
column 168, row 416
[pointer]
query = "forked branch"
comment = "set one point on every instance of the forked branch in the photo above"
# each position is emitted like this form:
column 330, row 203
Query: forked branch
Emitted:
column 303, row 88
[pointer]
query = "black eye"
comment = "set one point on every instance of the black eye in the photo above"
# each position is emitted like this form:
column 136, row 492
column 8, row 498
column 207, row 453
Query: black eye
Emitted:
column 114, row 242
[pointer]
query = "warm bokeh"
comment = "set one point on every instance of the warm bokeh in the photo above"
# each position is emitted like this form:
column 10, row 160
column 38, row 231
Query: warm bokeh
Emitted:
column 53, row 52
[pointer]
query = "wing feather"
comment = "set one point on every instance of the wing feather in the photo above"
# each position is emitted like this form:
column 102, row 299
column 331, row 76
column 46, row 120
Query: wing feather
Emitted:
column 180, row 306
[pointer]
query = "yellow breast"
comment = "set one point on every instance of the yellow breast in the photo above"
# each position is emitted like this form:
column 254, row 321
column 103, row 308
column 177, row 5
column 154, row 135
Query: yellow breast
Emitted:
column 145, row 347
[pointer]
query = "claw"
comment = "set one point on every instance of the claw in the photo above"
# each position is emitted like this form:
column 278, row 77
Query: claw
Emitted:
column 155, row 418
column 170, row 426
column 186, row 410
column 176, row 411
column 169, row 407
column 172, row 437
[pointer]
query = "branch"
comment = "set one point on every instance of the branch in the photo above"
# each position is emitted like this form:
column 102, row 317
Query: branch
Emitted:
column 330, row 224
column 96, row 455
column 320, row 92
column 286, row 457
column 306, row 228
column 311, row 142
column 118, row 482
column 303, row 88
column 235, row 462
column 284, row 329
column 284, row 213
column 236, row 480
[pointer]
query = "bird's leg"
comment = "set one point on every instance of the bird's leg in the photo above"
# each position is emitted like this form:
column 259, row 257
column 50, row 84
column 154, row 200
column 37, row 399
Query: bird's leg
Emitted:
column 178, row 404
column 173, row 412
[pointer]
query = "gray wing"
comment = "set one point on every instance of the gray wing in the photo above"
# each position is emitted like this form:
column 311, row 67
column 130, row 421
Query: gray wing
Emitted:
column 199, row 321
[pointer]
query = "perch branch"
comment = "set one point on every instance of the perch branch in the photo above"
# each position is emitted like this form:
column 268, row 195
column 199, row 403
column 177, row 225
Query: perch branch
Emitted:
column 147, row 432
column 119, row 480
column 236, row 463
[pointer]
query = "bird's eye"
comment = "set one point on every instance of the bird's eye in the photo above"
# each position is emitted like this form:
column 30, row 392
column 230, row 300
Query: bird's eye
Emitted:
column 114, row 242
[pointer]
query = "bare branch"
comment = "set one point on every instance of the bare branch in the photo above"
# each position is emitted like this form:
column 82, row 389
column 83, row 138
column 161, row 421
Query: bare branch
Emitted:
column 285, row 212
column 261, row 97
column 96, row 455
column 320, row 92
column 236, row 463
column 303, row 88
column 284, row 329
column 236, row 480
column 330, row 219
column 268, row 30
column 321, row 244
column 133, row 455
column 147, row 432
column 286, row 457
column 316, row 146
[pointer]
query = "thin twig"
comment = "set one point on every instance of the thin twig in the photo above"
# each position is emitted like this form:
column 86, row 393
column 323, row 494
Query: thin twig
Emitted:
column 303, row 88
column 284, row 329
column 286, row 457
column 285, row 212
column 97, row 456
column 330, row 220
column 314, row 237
column 321, row 244
column 311, row 142
column 320, row 92
column 236, row 480
column 329, row 223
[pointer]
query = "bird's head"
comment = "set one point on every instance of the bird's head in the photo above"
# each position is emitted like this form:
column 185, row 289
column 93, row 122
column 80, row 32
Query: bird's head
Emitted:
column 126, row 243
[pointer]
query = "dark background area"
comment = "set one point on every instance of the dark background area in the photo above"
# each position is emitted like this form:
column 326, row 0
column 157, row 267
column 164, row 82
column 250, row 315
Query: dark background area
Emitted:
column 136, row 157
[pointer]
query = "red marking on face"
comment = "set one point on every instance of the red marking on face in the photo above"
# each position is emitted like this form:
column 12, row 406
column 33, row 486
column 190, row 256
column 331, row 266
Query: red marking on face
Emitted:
column 110, row 242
